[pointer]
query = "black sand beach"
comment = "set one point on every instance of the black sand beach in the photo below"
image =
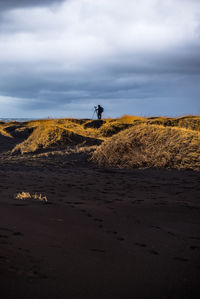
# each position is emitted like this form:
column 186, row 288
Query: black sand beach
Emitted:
column 104, row 233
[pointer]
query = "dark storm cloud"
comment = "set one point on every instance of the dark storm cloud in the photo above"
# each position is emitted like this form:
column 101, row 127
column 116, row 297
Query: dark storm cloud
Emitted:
column 13, row 4
column 182, row 60
column 160, row 81
column 129, row 60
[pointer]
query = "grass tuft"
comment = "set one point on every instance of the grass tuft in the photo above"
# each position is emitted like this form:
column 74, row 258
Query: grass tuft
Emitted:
column 27, row 195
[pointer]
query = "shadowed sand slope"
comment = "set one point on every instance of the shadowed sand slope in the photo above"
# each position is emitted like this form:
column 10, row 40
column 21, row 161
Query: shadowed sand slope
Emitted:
column 10, row 135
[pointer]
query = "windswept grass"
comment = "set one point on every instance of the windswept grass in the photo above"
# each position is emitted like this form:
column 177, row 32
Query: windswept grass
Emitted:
column 128, row 141
column 128, row 119
column 4, row 133
column 114, row 126
column 187, row 122
column 50, row 135
column 151, row 146
column 27, row 195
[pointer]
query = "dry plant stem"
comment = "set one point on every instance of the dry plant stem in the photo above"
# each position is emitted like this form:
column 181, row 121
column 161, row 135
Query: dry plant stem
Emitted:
column 27, row 195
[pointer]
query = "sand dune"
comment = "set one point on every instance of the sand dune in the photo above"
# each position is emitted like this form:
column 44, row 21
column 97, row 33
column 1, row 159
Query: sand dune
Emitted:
column 52, row 137
column 151, row 146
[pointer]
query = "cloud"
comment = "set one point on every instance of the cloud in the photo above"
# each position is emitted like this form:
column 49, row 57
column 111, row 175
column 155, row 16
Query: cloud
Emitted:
column 16, row 4
column 128, row 55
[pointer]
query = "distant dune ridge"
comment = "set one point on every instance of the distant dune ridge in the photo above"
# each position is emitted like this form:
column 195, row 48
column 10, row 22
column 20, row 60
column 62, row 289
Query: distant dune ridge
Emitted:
column 128, row 141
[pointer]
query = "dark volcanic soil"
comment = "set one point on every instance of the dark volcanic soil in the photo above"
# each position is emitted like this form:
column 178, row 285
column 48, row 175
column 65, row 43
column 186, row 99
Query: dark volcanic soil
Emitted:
column 104, row 233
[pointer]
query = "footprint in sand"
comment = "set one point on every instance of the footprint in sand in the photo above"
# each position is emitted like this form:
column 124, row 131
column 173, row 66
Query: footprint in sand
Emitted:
column 3, row 236
column 172, row 234
column 121, row 239
column 181, row 259
column 108, row 201
column 195, row 238
column 155, row 226
column 141, row 244
column 195, row 247
column 98, row 220
column 111, row 232
column 89, row 215
column 97, row 250
column 17, row 234
column 3, row 259
column 5, row 229
column 154, row 252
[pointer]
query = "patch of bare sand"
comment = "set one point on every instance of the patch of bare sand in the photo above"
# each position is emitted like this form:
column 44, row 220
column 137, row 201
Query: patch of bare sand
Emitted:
column 104, row 233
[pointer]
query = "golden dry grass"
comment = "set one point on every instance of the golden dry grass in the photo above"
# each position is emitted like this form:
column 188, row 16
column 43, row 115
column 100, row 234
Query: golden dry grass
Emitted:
column 151, row 146
column 4, row 133
column 129, row 141
column 77, row 126
column 52, row 135
column 27, row 195
column 188, row 122
column 128, row 119
column 114, row 126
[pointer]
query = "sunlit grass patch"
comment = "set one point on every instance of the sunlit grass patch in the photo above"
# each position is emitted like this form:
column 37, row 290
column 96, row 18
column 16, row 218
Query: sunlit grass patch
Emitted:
column 23, row 195
column 4, row 133
column 188, row 122
column 27, row 196
column 151, row 146
column 114, row 126
column 128, row 141
column 128, row 119
column 60, row 133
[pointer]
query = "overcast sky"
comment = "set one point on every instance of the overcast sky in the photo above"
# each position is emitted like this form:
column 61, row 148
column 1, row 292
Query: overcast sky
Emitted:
column 60, row 58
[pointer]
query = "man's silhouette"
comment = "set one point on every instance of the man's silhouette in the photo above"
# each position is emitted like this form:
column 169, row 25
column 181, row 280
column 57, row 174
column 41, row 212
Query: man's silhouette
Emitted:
column 99, row 111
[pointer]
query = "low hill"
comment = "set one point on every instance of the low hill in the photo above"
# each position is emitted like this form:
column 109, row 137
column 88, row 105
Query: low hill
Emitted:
column 52, row 136
column 127, row 141
column 151, row 146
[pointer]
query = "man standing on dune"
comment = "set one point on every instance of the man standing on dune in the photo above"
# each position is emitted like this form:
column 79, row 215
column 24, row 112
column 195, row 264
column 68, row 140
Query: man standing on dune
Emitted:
column 99, row 111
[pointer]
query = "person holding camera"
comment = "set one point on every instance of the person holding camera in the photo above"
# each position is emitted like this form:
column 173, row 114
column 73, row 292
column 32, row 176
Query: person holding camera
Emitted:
column 99, row 110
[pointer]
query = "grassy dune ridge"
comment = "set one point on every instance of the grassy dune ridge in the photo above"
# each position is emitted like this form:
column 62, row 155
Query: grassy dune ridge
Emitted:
column 151, row 146
column 128, row 141
column 51, row 136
